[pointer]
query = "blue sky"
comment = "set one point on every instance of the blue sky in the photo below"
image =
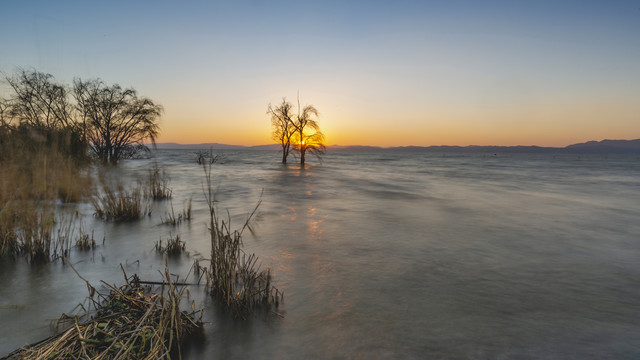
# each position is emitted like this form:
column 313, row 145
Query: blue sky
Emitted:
column 380, row 72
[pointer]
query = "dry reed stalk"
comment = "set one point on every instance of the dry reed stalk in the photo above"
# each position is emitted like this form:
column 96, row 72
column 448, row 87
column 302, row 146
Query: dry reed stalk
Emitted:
column 130, row 322
column 172, row 219
column 234, row 276
column 157, row 184
column 118, row 205
column 174, row 246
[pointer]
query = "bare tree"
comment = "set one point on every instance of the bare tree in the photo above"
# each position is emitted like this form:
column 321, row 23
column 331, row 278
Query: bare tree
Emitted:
column 38, row 100
column 114, row 120
column 283, row 126
column 307, row 135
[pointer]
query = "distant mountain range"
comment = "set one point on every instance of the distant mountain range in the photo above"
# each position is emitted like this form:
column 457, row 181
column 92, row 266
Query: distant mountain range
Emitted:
column 589, row 147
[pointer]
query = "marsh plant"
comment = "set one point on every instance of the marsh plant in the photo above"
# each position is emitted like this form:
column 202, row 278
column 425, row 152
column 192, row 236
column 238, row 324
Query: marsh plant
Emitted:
column 85, row 241
column 175, row 220
column 133, row 321
column 173, row 246
column 157, row 184
column 119, row 204
column 234, row 277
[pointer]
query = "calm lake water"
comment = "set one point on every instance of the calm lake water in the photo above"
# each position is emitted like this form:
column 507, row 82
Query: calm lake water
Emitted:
column 387, row 255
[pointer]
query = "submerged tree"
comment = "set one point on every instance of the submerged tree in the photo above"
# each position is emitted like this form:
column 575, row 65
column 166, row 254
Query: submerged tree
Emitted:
column 308, row 136
column 283, row 126
column 115, row 120
column 300, row 130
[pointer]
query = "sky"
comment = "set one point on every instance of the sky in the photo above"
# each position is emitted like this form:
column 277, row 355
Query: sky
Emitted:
column 386, row 73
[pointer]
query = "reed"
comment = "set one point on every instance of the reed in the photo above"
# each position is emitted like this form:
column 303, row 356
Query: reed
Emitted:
column 175, row 220
column 174, row 246
column 234, row 277
column 157, row 184
column 120, row 204
column 38, row 168
column 84, row 241
column 133, row 321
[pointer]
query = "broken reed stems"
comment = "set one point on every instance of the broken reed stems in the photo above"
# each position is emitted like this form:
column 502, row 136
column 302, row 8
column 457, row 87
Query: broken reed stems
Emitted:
column 234, row 276
column 130, row 322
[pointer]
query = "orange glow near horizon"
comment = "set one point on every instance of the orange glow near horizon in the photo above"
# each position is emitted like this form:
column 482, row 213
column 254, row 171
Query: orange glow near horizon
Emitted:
column 553, row 125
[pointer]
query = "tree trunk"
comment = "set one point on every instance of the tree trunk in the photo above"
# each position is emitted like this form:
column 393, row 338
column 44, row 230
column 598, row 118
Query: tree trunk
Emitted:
column 285, row 154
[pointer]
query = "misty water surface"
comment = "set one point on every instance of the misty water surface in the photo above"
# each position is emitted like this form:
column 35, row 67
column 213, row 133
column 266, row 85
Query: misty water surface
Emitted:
column 388, row 255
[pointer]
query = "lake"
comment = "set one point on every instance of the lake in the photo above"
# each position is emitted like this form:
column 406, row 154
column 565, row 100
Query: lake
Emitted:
column 385, row 255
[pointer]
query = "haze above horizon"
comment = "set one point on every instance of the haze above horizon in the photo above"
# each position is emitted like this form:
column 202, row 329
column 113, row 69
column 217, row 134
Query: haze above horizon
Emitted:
column 420, row 73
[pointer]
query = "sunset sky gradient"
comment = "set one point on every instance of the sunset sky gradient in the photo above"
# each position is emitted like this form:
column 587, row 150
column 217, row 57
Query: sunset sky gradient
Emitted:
column 547, row 73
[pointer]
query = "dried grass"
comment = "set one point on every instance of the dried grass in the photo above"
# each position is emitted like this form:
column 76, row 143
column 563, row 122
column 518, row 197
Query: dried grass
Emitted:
column 120, row 204
column 157, row 184
column 234, row 277
column 130, row 322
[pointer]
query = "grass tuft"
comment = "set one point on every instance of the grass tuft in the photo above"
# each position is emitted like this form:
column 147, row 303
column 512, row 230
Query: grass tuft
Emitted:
column 173, row 247
column 157, row 185
column 119, row 205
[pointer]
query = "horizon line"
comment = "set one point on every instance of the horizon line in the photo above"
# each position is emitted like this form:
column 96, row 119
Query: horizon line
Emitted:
column 393, row 146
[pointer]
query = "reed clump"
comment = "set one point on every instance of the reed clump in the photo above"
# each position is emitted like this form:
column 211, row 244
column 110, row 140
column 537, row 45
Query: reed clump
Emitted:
column 120, row 204
column 37, row 233
column 234, row 277
column 133, row 321
column 38, row 168
column 173, row 246
column 157, row 184
column 84, row 241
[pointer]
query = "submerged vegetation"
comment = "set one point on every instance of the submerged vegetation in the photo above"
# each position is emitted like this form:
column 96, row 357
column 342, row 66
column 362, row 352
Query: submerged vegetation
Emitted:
column 234, row 276
column 40, row 167
column 50, row 138
column 175, row 220
column 47, row 132
column 173, row 246
column 120, row 204
column 157, row 184
column 298, row 132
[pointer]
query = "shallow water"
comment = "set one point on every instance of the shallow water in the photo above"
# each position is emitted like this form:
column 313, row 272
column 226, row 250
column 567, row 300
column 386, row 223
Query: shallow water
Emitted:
column 388, row 255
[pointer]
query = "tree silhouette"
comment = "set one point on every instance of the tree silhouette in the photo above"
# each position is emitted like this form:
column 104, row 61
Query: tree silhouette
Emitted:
column 115, row 121
column 283, row 126
column 38, row 101
column 300, row 130
column 307, row 135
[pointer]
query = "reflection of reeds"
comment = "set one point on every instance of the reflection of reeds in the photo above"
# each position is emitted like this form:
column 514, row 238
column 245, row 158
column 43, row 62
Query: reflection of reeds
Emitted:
column 234, row 276
column 118, row 205
column 131, row 322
